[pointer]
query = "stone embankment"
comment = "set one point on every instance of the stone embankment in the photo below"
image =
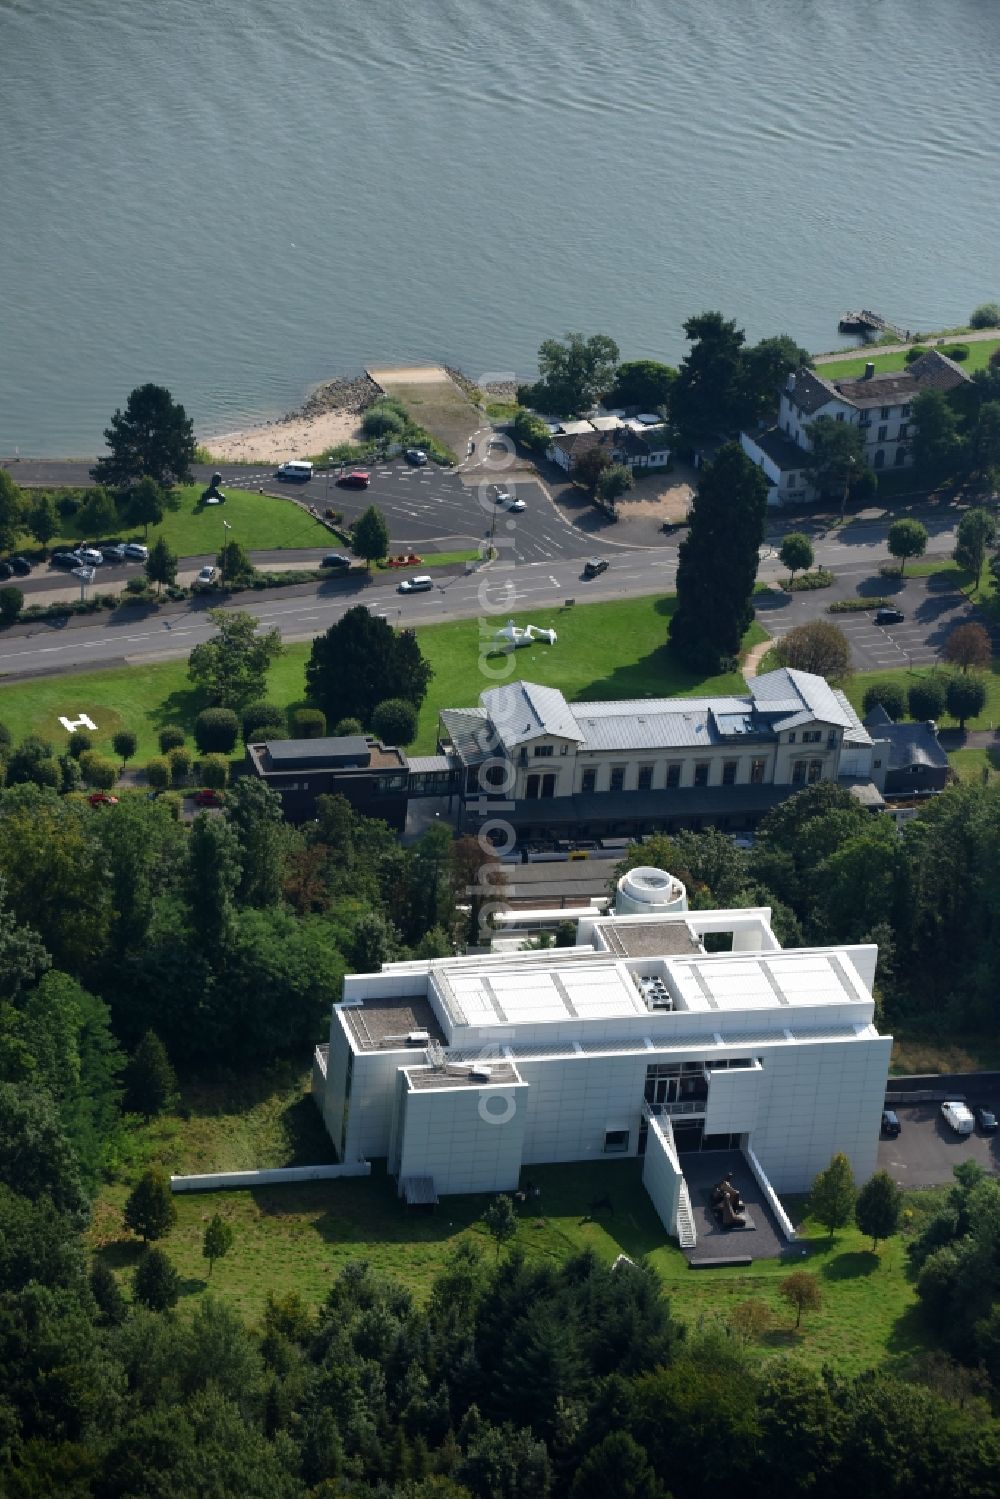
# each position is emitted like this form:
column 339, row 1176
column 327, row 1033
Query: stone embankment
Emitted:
column 339, row 395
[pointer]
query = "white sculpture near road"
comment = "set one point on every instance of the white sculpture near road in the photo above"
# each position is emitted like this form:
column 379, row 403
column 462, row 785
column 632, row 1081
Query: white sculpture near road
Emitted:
column 516, row 635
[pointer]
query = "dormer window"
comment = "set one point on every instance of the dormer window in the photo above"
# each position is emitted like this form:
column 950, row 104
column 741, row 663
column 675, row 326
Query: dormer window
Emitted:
column 543, row 751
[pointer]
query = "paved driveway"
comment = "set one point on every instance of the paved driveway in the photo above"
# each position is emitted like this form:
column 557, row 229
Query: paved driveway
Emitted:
column 926, row 1151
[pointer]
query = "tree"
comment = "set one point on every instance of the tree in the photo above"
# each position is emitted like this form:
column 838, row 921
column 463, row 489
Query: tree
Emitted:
column 156, row 1283
column 215, row 731
column 965, row 697
column 925, row 699
column 589, row 466
column 36, row 1158
column 146, row 504
column 98, row 770
column 888, row 695
column 346, row 728
column 308, row 723
column 707, row 396
column 531, row 431
column 218, row 1240
column 158, row 772
column 215, row 772
column 969, row 645
column 907, row 538
column 11, row 604
column 818, row 647
column 717, row 562
column 986, row 315
column 150, row 1210
column 642, row 383
column 259, row 719
column 213, row 875
column 801, row 1290
column 98, row 515
column 395, row 721
column 179, row 760
column 936, row 444
column 833, row 1193
column 42, row 520
column 614, row 482
column 618, row 1466
column 12, row 512
column 125, row 744
column 253, row 811
column 370, row 537
column 236, row 570
column 161, row 565
column 172, row 736
column 106, row 1292
column 976, row 533
column 150, row 1081
column 984, row 444
column 232, row 667
column 878, row 1207
column 153, row 436
column 766, row 368
column 574, row 372
column 360, row 662
column 836, row 462
column 500, row 1221
column 797, row 552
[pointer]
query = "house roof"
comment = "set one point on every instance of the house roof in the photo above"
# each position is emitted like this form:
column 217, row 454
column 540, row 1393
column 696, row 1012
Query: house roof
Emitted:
column 467, row 729
column 932, row 371
column 789, row 697
column 909, row 744
column 522, row 711
column 810, row 391
column 857, row 733
column 779, row 448
column 575, row 443
column 654, row 723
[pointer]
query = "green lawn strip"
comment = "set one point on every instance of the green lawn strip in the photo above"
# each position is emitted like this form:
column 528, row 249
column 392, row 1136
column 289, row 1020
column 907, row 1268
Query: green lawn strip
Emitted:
column 258, row 522
column 906, row 676
column 613, row 650
column 433, row 559
column 849, row 369
column 969, row 764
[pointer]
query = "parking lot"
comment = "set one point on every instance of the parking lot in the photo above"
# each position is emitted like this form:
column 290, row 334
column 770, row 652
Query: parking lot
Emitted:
column 926, row 1150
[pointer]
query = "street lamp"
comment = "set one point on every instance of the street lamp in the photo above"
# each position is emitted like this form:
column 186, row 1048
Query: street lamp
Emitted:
column 225, row 542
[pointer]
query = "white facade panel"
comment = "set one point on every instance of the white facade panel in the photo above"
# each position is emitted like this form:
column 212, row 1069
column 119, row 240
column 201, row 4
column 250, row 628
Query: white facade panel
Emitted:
column 733, row 1095
column 662, row 1176
column 465, row 1147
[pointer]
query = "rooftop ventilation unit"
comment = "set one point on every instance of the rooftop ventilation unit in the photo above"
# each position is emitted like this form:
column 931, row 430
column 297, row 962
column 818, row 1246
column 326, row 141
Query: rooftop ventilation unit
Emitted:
column 418, row 1038
column 655, row 993
column 480, row 1073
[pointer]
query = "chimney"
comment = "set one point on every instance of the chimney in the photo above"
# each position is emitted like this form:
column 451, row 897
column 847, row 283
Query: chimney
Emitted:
column 869, row 371
column 791, row 384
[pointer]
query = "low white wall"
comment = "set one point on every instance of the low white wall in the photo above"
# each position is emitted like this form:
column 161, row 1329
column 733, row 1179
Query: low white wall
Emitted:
column 279, row 1176
column 771, row 1196
column 661, row 1173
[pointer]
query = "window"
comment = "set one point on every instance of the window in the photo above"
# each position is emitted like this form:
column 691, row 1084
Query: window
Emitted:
column 900, row 457
column 588, row 782
column 879, row 458
column 791, row 737
column 812, row 736
column 904, row 412
column 616, row 1141
column 757, row 772
column 883, row 433
column 617, row 777
column 799, row 773
column 815, row 771
column 543, row 751
column 548, row 785
column 531, row 788
column 790, row 481
column 883, row 415
column 831, row 739
column 701, row 773
column 877, row 764
column 674, row 774
column 840, row 416
column 645, row 778
column 903, row 432
column 729, row 772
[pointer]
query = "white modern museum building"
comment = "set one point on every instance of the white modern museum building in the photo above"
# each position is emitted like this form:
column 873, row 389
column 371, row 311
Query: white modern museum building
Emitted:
column 662, row 1031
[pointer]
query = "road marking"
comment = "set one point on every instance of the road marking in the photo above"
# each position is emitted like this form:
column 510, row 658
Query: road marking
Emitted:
column 555, row 581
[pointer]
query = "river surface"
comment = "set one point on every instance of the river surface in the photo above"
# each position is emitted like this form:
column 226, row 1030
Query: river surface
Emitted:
column 238, row 198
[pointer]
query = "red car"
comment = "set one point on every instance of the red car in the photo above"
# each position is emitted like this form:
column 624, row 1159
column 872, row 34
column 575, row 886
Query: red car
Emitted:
column 208, row 798
column 102, row 799
column 358, row 480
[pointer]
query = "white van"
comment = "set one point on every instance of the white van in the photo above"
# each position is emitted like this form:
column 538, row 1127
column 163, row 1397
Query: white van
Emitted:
column 419, row 584
column 959, row 1117
column 299, row 471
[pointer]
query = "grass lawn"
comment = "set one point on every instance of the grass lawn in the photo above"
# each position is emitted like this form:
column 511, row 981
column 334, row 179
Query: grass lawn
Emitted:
column 298, row 1237
column 913, row 1055
column 849, row 369
column 988, row 719
column 604, row 650
column 258, row 522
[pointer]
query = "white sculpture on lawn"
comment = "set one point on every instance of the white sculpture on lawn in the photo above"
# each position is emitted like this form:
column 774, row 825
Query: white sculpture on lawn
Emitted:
column 517, row 635
column 83, row 722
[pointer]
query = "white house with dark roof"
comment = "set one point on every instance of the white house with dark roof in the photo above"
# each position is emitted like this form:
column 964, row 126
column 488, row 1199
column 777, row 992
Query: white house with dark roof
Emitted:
column 626, row 768
column 635, row 441
column 879, row 405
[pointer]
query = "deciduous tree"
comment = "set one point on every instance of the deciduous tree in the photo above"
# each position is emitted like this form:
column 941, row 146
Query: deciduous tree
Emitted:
column 150, row 1210
column 156, row 1283
column 589, row 466
column 796, row 552
column 801, row 1290
column 574, row 372
column 833, row 1194
column 42, row 520
column 976, row 534
column 146, row 503
column 614, row 482
column 153, row 435
column 965, row 697
column 161, row 565
column 500, row 1221
column 817, row 646
column 395, row 721
column 125, row 743
column 936, row 444
column 370, row 537
column 232, row 667
column 907, row 538
column 218, row 1240
column 360, row 662
column 969, row 646
column 878, row 1207
column 643, row 383
column 12, row 512
column 836, row 463
column 98, row 515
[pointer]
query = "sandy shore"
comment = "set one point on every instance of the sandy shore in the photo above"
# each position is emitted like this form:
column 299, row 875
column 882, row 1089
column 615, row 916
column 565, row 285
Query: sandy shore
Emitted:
column 291, row 437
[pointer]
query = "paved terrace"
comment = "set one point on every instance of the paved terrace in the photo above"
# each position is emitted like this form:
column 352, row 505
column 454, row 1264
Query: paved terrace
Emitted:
column 703, row 1169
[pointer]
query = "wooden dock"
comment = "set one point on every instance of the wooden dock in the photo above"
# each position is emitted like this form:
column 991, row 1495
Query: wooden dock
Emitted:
column 867, row 321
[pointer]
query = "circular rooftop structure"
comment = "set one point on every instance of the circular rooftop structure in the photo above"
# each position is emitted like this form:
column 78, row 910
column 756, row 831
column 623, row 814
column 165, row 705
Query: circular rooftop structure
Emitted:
column 647, row 891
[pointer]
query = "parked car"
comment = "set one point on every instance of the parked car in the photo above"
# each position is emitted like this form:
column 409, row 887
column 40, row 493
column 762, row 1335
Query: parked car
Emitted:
column 206, row 576
column 136, row 550
column 298, row 472
column 416, row 456
column 21, row 566
column 595, row 565
column 985, row 1118
column 102, row 799
column 90, row 556
column 517, row 506
column 359, row 479
column 67, row 560
column 501, row 496
column 889, row 616
column 335, row 559
column 208, row 798
column 114, row 552
column 6, row 571
column 419, row 584
column 959, row 1117
column 890, row 1124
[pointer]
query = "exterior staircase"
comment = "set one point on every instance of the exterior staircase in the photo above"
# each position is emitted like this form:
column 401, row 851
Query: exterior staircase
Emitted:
column 686, row 1234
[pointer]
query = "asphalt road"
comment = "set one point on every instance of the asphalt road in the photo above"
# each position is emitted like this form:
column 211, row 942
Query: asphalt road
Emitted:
column 926, row 1151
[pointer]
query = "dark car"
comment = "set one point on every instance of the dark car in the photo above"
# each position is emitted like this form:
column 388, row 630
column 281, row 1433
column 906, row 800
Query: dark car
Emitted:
column 335, row 559
column 985, row 1118
column 21, row 566
column 67, row 560
column 889, row 616
column 594, row 566
column 6, row 571
column 358, row 480
column 114, row 552
column 416, row 456
column 890, row 1124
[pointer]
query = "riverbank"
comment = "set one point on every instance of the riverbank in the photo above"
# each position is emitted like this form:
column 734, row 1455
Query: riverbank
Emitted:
column 330, row 414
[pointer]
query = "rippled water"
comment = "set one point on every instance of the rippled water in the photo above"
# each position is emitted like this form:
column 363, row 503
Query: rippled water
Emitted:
column 239, row 197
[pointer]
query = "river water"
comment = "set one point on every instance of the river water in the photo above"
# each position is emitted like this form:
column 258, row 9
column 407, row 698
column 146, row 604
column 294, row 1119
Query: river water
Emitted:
column 237, row 198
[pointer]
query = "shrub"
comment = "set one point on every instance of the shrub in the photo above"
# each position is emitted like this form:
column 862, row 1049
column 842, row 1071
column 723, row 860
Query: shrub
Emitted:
column 308, row 723
column 926, row 699
column 915, row 352
column 215, row 772
column 958, row 352
column 79, row 743
column 395, row 721
column 891, row 696
column 67, row 505
column 807, row 582
column 987, row 315
column 137, row 586
column 216, row 730
column 171, row 737
column 155, row 1282
column 857, row 606
column 158, row 772
column 348, row 726
column 381, row 422
column 262, row 716
column 98, row 770
column 11, row 604
column 125, row 744
column 179, row 760
column 70, row 770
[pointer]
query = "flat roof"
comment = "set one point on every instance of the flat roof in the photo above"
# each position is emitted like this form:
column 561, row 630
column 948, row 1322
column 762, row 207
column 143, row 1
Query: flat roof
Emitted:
column 760, row 981
column 459, row 1075
column 532, row 996
column 649, row 939
column 383, row 1022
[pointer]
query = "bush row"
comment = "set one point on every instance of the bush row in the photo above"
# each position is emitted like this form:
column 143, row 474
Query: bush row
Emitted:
column 806, row 582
